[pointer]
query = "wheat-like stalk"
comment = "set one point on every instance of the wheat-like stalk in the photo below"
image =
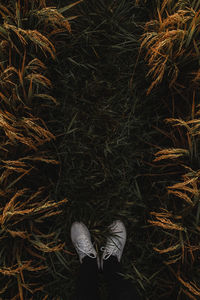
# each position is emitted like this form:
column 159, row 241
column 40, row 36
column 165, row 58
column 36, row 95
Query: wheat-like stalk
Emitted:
column 27, row 32
column 171, row 41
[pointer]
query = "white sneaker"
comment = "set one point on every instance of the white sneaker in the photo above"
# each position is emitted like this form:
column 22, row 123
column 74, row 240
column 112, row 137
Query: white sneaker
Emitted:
column 115, row 242
column 81, row 240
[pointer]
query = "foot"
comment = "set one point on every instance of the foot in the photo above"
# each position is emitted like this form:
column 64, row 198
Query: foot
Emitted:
column 81, row 240
column 115, row 242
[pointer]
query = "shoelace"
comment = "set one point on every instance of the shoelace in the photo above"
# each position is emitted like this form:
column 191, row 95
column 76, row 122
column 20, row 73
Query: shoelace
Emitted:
column 85, row 247
column 111, row 249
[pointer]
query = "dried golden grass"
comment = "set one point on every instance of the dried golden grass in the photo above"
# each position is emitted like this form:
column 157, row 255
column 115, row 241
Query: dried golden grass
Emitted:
column 34, row 134
column 163, row 220
column 20, row 208
column 25, row 211
column 16, row 269
column 181, row 230
column 52, row 17
column 24, row 36
column 191, row 286
column 190, row 183
column 170, row 41
column 170, row 153
column 166, row 250
column 29, row 79
column 30, row 207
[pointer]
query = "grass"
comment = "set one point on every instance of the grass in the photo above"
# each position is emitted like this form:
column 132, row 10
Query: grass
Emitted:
column 26, row 205
column 105, row 126
column 85, row 90
column 172, row 48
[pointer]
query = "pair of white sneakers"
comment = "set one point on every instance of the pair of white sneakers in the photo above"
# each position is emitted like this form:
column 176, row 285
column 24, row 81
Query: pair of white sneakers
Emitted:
column 81, row 240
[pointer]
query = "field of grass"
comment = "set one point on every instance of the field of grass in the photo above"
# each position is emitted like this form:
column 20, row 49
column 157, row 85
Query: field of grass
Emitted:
column 99, row 120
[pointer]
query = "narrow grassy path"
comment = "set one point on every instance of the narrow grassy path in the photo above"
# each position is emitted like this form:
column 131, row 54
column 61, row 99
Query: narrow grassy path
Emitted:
column 104, row 141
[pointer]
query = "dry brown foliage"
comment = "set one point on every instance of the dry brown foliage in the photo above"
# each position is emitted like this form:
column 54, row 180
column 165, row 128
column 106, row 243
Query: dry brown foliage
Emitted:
column 179, row 216
column 171, row 42
column 26, row 208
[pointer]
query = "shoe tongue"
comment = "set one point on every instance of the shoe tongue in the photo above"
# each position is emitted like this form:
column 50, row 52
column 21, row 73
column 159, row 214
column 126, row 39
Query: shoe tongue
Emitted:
column 86, row 248
column 112, row 248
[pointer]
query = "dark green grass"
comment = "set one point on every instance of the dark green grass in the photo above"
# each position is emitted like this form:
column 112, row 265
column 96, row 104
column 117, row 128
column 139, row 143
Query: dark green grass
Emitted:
column 105, row 142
